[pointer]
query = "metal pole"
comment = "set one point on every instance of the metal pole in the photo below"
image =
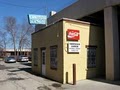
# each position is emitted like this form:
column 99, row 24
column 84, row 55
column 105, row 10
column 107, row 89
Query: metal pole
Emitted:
column 46, row 10
column 74, row 74
column 67, row 77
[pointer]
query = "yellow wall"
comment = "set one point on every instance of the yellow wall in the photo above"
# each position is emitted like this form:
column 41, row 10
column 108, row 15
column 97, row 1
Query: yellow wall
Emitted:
column 89, row 35
column 56, row 35
column 50, row 36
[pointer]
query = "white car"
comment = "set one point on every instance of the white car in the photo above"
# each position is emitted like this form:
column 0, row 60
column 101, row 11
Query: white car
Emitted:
column 10, row 59
column 22, row 58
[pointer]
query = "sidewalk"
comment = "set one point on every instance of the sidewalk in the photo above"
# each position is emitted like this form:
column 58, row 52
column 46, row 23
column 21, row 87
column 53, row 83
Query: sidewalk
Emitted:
column 96, row 84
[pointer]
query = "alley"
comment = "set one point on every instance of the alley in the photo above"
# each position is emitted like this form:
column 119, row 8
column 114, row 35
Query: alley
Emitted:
column 18, row 76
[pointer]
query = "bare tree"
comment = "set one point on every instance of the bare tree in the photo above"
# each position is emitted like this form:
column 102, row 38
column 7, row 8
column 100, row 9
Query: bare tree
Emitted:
column 3, row 42
column 11, row 27
column 24, row 36
column 3, row 39
column 20, row 34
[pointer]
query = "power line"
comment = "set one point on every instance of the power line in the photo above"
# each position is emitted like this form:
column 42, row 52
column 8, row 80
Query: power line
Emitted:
column 11, row 4
column 46, row 8
column 38, row 9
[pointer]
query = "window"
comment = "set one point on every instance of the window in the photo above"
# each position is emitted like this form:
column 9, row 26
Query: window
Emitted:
column 35, row 56
column 53, row 57
column 91, row 56
column 43, row 57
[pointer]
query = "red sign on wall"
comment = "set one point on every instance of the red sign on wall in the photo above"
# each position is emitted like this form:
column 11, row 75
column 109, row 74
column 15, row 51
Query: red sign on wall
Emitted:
column 73, row 34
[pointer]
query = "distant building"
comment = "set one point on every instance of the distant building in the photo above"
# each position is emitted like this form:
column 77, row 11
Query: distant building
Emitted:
column 9, row 52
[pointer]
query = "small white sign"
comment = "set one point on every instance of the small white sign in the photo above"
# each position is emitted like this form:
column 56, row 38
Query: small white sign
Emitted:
column 74, row 47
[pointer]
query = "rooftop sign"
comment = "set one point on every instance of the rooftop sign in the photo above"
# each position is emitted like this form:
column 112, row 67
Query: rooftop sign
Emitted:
column 37, row 19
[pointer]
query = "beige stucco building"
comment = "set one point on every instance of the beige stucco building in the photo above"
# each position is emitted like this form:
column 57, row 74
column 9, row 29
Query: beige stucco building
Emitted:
column 106, row 15
column 54, row 52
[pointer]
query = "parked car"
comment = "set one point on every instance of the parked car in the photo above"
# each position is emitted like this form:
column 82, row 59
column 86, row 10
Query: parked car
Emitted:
column 22, row 58
column 10, row 59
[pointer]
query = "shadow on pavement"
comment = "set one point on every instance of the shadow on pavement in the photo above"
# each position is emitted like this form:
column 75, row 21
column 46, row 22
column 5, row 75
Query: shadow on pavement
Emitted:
column 103, row 80
column 26, row 63
column 14, row 78
column 2, row 67
column 29, row 70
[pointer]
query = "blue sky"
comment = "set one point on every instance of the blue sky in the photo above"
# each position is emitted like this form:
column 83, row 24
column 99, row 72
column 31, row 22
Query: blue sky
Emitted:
column 21, row 8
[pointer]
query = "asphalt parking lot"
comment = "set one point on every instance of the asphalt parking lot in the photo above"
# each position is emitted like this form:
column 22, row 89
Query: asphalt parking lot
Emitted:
column 19, row 76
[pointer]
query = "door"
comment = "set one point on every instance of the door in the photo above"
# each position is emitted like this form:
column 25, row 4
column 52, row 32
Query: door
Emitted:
column 43, row 63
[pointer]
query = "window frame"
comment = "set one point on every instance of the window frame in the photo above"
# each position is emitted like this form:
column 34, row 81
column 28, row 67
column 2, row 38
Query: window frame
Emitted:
column 54, row 57
column 35, row 56
column 91, row 56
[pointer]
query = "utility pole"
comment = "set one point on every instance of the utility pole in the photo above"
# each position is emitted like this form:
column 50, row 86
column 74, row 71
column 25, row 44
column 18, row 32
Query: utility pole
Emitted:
column 46, row 11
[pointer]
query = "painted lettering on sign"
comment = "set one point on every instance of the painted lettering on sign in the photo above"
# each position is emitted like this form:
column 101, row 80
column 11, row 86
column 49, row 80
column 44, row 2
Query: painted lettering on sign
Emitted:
column 74, row 47
column 73, row 34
